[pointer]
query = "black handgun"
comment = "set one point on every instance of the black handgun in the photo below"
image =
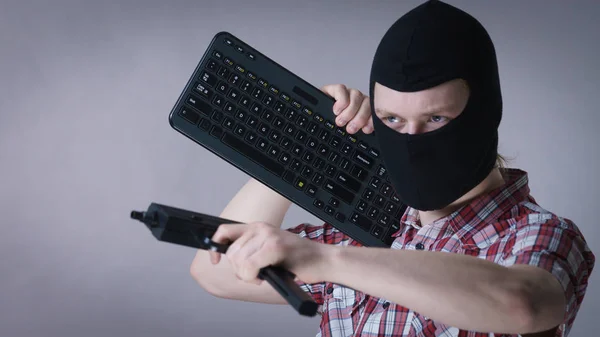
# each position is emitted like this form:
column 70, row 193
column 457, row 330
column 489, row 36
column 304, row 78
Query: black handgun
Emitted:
column 192, row 229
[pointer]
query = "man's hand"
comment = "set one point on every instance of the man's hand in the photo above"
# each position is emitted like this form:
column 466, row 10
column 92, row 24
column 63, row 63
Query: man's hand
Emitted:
column 352, row 108
column 257, row 245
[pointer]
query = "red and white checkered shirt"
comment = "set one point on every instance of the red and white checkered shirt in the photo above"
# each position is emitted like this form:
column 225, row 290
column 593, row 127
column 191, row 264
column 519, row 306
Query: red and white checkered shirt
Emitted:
column 505, row 226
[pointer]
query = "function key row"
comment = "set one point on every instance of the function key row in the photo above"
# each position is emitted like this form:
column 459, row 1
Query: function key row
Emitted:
column 237, row 47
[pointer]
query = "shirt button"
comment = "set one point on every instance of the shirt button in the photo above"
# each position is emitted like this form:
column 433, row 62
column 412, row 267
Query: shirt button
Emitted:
column 420, row 246
column 329, row 290
column 386, row 305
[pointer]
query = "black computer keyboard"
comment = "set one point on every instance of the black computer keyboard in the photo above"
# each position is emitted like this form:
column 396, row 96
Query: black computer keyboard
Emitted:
column 274, row 126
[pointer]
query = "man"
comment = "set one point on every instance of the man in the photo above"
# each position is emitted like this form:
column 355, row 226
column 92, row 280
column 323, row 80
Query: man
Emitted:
column 474, row 256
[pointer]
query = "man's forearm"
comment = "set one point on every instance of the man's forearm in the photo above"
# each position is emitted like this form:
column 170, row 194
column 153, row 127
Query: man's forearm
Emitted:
column 457, row 290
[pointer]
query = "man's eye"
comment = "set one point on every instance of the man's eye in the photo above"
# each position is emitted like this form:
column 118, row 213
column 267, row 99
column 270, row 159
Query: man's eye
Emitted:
column 392, row 119
column 437, row 119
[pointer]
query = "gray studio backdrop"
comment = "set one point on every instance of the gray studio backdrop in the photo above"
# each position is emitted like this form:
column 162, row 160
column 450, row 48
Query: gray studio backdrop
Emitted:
column 85, row 91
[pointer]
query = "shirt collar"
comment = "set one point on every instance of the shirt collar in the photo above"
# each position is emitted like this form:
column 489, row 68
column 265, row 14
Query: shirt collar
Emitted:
column 482, row 212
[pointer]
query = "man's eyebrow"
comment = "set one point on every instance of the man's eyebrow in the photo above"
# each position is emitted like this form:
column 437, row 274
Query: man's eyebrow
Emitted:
column 433, row 111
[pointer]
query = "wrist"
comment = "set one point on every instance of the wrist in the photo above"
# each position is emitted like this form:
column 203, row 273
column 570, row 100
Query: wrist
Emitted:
column 329, row 262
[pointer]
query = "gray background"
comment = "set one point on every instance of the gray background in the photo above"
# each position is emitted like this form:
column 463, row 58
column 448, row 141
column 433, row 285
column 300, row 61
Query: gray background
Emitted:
column 85, row 90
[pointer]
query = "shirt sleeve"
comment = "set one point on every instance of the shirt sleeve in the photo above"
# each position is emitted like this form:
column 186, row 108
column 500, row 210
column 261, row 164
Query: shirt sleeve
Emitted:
column 315, row 233
column 557, row 246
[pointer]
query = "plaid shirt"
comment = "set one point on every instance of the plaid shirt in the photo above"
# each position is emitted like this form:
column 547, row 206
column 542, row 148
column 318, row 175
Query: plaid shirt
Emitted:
column 505, row 226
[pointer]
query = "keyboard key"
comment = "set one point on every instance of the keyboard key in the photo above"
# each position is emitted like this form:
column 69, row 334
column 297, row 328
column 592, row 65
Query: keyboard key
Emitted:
column 295, row 165
column 307, row 172
column 204, row 124
column 279, row 107
column 377, row 232
column 324, row 135
column 223, row 72
column 311, row 190
column 285, row 158
column 335, row 142
column 395, row 198
column 298, row 150
column 312, row 128
column 386, row 190
column 263, row 83
column 241, row 115
column 358, row 172
column 368, row 194
column 218, row 55
column 246, row 86
column 345, row 164
column 229, row 108
column 228, row 42
column 390, row 208
column 319, row 164
column 384, row 219
column 262, row 144
column 318, row 203
column 302, row 121
column 311, row 143
column 375, row 182
column 228, row 61
column 268, row 100
column 334, row 202
column 208, row 78
column 285, row 97
column 329, row 125
column 362, row 221
column 296, row 104
column 228, row 123
column 323, row 150
column 222, row 87
column 308, row 157
column 290, row 114
column 234, row 79
column 306, row 110
column 289, row 177
column 254, row 155
column 268, row 115
column 381, row 171
column 218, row 101
column 251, row 138
column 256, row 108
column 189, row 115
column 251, row 56
column 379, row 200
column 274, row 90
column 329, row 210
column 372, row 212
column 278, row 122
column 318, row 179
column 234, row 95
column 239, row 130
column 300, row 183
column 352, row 139
column 252, row 122
column 274, row 136
column 240, row 69
column 286, row 143
column 245, row 101
column 340, row 217
column 216, row 131
column 251, row 76
column 199, row 104
column 374, row 153
column 211, row 65
column 300, row 136
column 348, row 182
column 334, row 157
column 363, row 159
column 217, row 116
column 289, row 129
column 339, row 191
column 362, row 206
column 263, row 129
column 346, row 149
column 330, row 170
column 274, row 151
column 362, row 145
column 239, row 49
column 258, row 93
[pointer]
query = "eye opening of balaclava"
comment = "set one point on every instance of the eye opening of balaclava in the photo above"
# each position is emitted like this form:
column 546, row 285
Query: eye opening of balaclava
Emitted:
column 430, row 45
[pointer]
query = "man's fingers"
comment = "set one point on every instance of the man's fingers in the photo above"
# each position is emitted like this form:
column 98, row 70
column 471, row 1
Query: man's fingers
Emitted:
column 225, row 233
column 339, row 93
column 356, row 99
column 362, row 117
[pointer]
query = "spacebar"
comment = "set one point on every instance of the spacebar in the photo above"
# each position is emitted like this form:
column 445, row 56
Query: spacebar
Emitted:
column 253, row 154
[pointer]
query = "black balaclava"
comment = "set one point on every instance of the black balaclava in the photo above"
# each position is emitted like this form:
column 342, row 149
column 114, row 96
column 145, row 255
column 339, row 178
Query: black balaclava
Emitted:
column 432, row 44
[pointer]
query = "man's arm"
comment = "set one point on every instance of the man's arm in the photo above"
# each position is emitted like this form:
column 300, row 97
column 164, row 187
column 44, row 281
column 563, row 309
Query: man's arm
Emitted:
column 253, row 202
column 461, row 291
